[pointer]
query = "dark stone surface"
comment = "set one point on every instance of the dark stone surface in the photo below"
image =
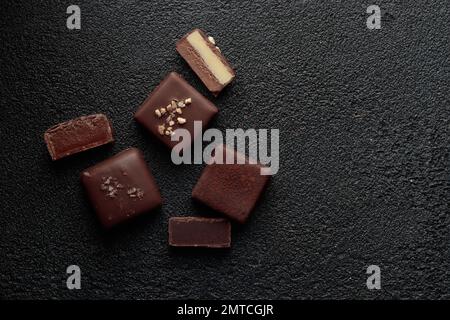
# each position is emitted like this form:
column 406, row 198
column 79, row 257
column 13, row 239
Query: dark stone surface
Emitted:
column 364, row 148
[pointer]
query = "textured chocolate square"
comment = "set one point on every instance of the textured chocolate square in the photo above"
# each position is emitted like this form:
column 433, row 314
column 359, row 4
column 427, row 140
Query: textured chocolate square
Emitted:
column 121, row 187
column 173, row 104
column 232, row 189
column 199, row 232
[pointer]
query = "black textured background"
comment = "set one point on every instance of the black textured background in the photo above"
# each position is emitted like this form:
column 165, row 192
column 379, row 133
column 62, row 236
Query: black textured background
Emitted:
column 364, row 148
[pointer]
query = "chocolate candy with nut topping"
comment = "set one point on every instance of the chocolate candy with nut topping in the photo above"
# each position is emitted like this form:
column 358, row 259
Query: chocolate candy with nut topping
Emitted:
column 232, row 189
column 173, row 104
column 206, row 59
column 121, row 187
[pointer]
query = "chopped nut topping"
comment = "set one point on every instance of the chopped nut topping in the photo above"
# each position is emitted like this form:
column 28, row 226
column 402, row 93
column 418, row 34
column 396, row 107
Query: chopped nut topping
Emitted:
column 135, row 193
column 211, row 39
column 169, row 118
column 110, row 186
column 170, row 113
column 218, row 49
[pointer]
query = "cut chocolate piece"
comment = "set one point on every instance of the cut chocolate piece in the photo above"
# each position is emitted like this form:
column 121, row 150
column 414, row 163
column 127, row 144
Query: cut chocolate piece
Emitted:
column 232, row 189
column 206, row 59
column 173, row 104
column 199, row 232
column 121, row 187
column 77, row 135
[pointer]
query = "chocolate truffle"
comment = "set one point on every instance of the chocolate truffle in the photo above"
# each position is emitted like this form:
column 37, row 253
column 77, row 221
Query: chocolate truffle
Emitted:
column 121, row 187
column 77, row 135
column 173, row 104
column 232, row 189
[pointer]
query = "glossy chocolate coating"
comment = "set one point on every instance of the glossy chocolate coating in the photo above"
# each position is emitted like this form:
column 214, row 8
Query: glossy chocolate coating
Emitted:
column 232, row 189
column 121, row 187
column 175, row 87
column 77, row 135
column 199, row 232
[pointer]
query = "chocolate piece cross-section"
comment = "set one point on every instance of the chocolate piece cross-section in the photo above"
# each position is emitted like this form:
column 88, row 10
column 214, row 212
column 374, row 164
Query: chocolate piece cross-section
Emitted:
column 199, row 232
column 121, row 187
column 206, row 59
column 232, row 189
column 173, row 104
column 77, row 135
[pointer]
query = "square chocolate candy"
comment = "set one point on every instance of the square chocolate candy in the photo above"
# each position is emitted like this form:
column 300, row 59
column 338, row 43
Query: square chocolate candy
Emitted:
column 121, row 187
column 173, row 104
column 232, row 189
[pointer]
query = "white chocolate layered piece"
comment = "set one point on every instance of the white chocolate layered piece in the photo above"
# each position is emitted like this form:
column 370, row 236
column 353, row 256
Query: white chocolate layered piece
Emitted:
column 206, row 60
